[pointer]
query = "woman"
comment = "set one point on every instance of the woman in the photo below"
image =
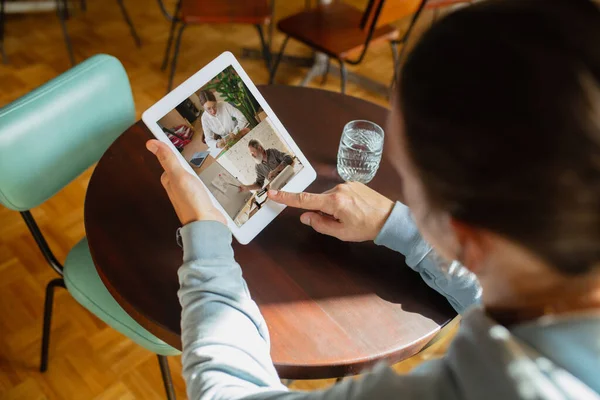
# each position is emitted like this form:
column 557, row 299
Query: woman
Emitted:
column 220, row 122
column 496, row 134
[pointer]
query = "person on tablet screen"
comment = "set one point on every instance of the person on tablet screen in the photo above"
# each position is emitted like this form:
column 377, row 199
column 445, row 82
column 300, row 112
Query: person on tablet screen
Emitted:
column 513, row 243
column 269, row 163
column 220, row 122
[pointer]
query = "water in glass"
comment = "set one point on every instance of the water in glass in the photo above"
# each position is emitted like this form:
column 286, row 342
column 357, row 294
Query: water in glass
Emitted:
column 360, row 151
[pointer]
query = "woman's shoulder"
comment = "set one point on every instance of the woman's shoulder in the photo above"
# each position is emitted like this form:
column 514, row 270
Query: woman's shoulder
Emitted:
column 224, row 104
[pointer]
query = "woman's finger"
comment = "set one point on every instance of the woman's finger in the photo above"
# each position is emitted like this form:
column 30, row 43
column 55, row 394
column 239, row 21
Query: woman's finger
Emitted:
column 323, row 224
column 307, row 201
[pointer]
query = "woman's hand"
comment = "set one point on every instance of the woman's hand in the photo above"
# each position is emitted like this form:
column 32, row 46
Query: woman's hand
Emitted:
column 189, row 198
column 351, row 212
column 220, row 143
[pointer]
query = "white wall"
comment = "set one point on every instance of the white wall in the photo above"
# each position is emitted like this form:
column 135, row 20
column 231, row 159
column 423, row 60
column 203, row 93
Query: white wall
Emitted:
column 232, row 200
column 238, row 160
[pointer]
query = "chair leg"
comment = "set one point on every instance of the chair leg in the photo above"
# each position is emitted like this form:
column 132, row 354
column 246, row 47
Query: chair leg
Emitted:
column 396, row 58
column 134, row 34
column 278, row 60
column 175, row 55
column 3, row 53
column 271, row 26
column 2, row 18
column 166, row 376
column 405, row 39
column 326, row 73
column 61, row 10
column 58, row 282
column 165, row 62
column 83, row 5
column 265, row 47
column 343, row 76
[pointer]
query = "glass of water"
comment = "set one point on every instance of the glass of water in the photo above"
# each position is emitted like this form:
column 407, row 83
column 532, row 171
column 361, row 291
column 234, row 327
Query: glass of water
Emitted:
column 360, row 151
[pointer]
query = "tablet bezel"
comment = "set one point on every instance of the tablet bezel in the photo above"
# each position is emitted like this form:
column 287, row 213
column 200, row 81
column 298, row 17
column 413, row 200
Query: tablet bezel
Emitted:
column 270, row 209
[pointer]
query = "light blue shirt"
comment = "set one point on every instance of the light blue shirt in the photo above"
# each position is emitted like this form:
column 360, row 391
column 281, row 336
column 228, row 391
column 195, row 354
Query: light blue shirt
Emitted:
column 226, row 341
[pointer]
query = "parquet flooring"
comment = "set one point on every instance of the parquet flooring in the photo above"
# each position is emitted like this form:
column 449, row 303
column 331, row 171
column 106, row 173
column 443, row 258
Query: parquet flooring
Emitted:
column 89, row 360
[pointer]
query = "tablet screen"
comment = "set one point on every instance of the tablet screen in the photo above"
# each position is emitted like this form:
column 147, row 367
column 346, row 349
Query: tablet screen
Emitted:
column 231, row 144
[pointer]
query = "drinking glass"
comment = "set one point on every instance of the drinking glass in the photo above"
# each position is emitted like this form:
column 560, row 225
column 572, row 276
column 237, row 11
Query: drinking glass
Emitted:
column 360, row 151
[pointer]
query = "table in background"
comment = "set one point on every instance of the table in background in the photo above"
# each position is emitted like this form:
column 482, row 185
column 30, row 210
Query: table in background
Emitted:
column 332, row 308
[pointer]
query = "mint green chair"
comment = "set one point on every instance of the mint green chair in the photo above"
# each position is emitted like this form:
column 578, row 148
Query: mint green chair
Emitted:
column 48, row 138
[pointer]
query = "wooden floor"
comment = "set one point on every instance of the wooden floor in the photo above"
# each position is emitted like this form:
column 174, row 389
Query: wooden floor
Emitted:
column 89, row 360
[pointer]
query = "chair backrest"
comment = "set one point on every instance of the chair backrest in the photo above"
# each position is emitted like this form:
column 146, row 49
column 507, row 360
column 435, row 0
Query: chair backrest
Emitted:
column 51, row 135
column 383, row 12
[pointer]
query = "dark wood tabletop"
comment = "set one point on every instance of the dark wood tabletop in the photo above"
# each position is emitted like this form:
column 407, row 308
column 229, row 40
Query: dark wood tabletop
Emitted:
column 332, row 308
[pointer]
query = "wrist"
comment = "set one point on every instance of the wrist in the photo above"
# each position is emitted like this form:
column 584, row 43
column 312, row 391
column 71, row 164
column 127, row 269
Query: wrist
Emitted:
column 385, row 215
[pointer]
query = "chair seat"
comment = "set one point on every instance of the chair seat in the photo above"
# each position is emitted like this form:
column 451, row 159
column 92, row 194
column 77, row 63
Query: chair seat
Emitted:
column 333, row 29
column 255, row 12
column 84, row 284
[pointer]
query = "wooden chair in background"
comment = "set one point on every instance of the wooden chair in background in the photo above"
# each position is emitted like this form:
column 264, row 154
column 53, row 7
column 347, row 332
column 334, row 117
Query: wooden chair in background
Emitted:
column 341, row 31
column 250, row 12
column 344, row 33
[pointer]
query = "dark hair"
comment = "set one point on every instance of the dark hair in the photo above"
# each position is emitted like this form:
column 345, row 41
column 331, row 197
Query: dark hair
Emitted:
column 206, row 95
column 255, row 144
column 501, row 106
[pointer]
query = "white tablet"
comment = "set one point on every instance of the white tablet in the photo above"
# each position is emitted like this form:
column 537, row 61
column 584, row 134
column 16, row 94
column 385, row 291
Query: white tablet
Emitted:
column 224, row 132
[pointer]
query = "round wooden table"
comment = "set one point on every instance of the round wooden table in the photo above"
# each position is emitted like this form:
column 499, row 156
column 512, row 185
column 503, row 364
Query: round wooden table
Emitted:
column 332, row 308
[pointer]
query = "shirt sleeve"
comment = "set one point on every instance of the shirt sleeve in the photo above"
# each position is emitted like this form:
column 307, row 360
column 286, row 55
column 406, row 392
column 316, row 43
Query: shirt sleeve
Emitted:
column 260, row 176
column 241, row 119
column 226, row 342
column 282, row 157
column 451, row 279
column 209, row 135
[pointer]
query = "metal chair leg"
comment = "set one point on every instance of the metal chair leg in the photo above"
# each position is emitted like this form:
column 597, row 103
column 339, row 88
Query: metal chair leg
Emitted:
column 271, row 26
column 404, row 40
column 396, row 58
column 136, row 38
column 277, row 60
column 343, row 76
column 265, row 48
column 58, row 282
column 326, row 73
column 413, row 22
column 174, row 22
column 3, row 53
column 166, row 376
column 175, row 54
column 61, row 10
column 83, row 5
column 2, row 18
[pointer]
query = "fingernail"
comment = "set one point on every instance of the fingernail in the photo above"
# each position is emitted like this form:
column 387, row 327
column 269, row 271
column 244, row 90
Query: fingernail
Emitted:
column 305, row 219
column 273, row 192
column 152, row 147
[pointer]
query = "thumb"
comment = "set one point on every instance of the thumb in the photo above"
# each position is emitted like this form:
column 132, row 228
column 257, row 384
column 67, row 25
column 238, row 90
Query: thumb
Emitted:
column 322, row 224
